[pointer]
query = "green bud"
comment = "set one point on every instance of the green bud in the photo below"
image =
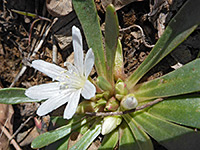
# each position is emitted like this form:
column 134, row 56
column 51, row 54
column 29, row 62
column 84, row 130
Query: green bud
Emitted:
column 110, row 123
column 129, row 102
column 104, row 84
column 112, row 104
column 101, row 102
column 106, row 94
column 85, row 106
column 120, row 88
column 119, row 97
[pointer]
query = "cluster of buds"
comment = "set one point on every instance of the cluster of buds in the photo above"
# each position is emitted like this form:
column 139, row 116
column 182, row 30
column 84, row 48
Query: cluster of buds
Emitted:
column 111, row 100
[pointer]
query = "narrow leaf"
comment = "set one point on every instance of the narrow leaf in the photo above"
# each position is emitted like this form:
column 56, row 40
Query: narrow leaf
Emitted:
column 127, row 140
column 88, row 137
column 24, row 13
column 14, row 96
column 64, row 145
column 61, row 144
column 179, row 28
column 52, row 136
column 184, row 110
column 119, row 63
column 181, row 81
column 87, row 15
column 142, row 139
column 111, row 40
column 162, row 131
column 109, row 141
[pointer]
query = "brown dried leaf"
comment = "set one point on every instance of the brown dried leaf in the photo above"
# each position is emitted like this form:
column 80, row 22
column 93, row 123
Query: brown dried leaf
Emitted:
column 6, row 113
column 27, row 137
column 117, row 3
column 59, row 8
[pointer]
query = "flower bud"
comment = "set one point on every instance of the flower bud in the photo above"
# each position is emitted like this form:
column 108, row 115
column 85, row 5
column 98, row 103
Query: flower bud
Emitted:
column 99, row 103
column 119, row 97
column 129, row 102
column 120, row 88
column 85, row 106
column 112, row 104
column 110, row 123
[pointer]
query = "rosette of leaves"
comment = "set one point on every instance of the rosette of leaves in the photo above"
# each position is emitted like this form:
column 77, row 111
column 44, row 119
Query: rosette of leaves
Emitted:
column 174, row 115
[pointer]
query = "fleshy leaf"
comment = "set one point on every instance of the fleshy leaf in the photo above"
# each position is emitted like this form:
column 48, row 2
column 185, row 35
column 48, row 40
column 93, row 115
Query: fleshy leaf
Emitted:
column 163, row 131
column 109, row 141
column 179, row 28
column 127, row 141
column 15, row 96
column 111, row 40
column 52, row 136
column 142, row 139
column 59, row 145
column 88, row 137
column 184, row 110
column 119, row 63
column 64, row 144
column 87, row 15
column 181, row 81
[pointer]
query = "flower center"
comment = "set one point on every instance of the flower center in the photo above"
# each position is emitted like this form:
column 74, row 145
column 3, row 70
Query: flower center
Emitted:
column 73, row 80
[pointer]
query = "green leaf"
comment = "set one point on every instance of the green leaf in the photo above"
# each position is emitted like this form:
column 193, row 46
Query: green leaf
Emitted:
column 119, row 63
column 104, row 84
column 64, row 145
column 181, row 81
column 111, row 40
column 161, row 130
column 87, row 15
column 142, row 139
column 88, row 137
column 14, row 96
column 25, row 13
column 179, row 28
column 52, row 136
column 109, row 141
column 61, row 144
column 127, row 140
column 184, row 110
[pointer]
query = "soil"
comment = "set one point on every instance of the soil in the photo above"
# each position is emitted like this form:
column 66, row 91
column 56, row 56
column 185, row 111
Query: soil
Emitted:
column 17, row 52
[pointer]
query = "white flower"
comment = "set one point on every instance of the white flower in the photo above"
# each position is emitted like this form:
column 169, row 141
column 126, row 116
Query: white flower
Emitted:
column 71, row 83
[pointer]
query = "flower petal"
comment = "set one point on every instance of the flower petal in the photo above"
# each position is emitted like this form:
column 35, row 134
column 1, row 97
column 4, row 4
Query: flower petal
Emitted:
column 72, row 104
column 78, row 49
column 71, row 68
column 53, row 103
column 49, row 69
column 88, row 90
column 89, row 62
column 43, row 91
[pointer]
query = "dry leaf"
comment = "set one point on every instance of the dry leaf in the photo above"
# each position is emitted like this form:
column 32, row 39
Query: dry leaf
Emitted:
column 6, row 113
column 59, row 8
column 27, row 137
column 117, row 3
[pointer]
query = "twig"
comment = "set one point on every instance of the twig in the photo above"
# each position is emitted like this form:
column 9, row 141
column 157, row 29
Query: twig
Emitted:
column 43, row 38
column 124, row 112
column 21, row 126
column 13, row 142
column 4, row 126
column 18, row 76
column 142, row 32
column 55, row 51
column 33, row 54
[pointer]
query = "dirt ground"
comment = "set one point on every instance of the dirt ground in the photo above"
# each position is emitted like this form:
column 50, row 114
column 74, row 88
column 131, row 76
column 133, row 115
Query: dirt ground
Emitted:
column 142, row 22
